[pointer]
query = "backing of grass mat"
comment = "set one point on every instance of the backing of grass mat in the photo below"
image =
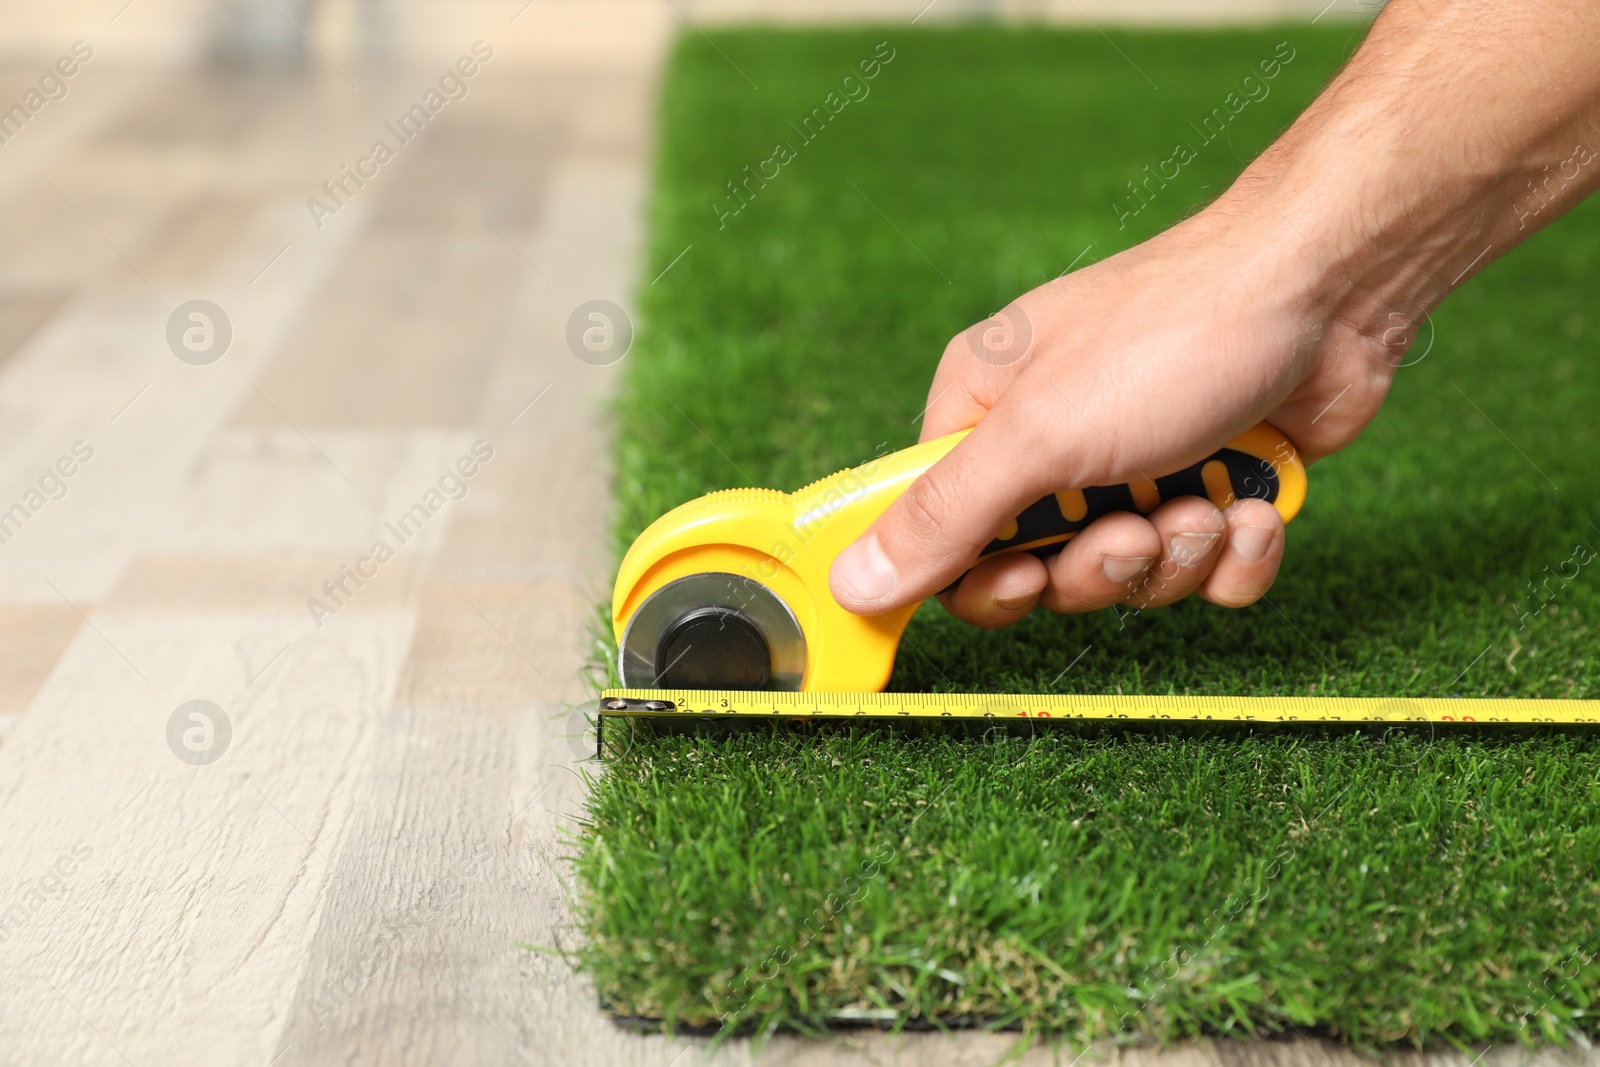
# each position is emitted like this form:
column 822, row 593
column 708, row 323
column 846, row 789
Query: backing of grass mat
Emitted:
column 1085, row 881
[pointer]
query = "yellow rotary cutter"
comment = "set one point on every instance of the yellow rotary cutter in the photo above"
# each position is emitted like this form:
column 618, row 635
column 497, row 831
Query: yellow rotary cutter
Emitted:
column 730, row 591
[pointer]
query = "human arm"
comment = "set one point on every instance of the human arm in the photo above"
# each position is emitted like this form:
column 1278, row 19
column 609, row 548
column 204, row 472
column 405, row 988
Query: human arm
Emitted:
column 1455, row 132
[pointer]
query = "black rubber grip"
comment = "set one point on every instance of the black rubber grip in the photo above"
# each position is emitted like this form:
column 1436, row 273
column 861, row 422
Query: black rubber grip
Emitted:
column 1045, row 527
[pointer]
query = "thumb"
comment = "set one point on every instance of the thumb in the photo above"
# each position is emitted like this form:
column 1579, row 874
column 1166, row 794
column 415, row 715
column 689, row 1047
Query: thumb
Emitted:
column 932, row 534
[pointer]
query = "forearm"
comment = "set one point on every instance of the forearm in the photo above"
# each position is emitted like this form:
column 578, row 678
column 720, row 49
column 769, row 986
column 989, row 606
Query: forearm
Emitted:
column 1456, row 131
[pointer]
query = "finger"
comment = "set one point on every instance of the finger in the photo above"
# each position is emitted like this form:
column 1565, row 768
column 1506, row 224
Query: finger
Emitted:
column 977, row 366
column 998, row 591
column 959, row 395
column 936, row 528
column 1250, row 558
column 1101, row 565
column 1190, row 530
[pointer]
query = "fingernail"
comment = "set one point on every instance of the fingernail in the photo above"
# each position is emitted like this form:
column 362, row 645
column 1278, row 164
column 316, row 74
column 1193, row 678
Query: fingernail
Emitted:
column 1252, row 542
column 1012, row 603
column 1187, row 549
column 865, row 571
column 1124, row 568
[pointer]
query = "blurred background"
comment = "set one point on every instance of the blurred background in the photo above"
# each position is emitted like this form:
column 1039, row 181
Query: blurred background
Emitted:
column 349, row 32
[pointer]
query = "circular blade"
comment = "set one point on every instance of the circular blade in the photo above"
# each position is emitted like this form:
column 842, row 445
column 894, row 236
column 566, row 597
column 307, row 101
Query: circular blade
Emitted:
column 713, row 631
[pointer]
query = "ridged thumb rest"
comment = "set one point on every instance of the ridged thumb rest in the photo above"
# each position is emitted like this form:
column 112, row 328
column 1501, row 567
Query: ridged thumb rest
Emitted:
column 747, row 495
column 822, row 485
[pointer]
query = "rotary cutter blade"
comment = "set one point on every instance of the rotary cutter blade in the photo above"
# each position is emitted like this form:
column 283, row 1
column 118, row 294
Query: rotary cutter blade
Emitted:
column 730, row 591
column 713, row 631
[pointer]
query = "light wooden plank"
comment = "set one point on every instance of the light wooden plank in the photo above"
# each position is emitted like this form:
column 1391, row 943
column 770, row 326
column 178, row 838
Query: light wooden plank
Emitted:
column 332, row 492
column 501, row 644
column 31, row 640
column 49, row 244
column 188, row 244
column 401, row 335
column 22, row 313
column 257, row 584
column 420, row 928
column 95, row 97
column 177, row 935
column 100, row 373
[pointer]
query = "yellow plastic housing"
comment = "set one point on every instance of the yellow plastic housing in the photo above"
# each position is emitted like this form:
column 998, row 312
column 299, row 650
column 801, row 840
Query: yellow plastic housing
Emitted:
column 788, row 542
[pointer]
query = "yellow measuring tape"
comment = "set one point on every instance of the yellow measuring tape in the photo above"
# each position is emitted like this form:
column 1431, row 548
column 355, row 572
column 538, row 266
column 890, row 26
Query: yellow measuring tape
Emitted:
column 678, row 703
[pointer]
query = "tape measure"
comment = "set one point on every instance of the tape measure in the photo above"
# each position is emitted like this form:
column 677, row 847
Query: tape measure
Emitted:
column 700, row 704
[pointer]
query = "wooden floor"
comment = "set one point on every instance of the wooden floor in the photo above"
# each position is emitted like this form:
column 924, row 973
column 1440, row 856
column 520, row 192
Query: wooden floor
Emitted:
column 349, row 878
column 339, row 860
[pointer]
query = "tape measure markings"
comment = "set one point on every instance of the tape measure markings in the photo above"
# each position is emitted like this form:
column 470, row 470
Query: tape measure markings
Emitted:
column 677, row 703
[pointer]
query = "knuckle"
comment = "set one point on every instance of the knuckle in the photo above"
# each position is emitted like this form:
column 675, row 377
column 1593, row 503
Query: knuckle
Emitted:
column 956, row 348
column 952, row 602
column 1166, row 583
column 1068, row 599
column 1060, row 601
column 1250, row 508
column 927, row 507
column 1192, row 514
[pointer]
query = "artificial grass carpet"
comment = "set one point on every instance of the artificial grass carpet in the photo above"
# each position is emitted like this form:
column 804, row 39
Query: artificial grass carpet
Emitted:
column 1087, row 880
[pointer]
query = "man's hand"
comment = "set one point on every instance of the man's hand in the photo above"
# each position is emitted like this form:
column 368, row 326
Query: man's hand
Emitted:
column 1292, row 299
column 1137, row 366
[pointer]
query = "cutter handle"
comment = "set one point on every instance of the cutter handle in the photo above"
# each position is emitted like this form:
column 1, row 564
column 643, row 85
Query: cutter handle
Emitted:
column 1261, row 463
